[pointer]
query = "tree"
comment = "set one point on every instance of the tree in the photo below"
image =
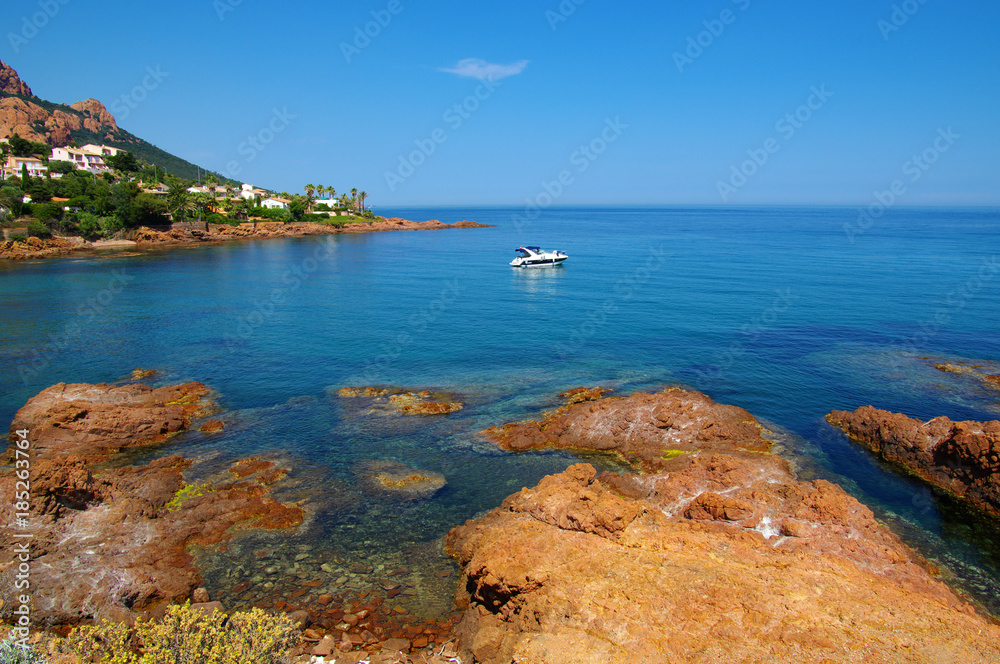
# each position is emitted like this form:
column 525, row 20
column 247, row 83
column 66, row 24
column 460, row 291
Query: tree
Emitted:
column 363, row 195
column 298, row 207
column 61, row 167
column 354, row 199
column 124, row 162
column 179, row 200
column 25, row 178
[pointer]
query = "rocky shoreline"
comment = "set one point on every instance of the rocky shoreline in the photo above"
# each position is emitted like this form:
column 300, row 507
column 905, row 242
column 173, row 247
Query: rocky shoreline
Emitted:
column 194, row 234
column 711, row 550
column 962, row 458
column 716, row 553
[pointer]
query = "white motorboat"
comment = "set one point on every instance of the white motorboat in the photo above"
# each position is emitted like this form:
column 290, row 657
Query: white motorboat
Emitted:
column 536, row 257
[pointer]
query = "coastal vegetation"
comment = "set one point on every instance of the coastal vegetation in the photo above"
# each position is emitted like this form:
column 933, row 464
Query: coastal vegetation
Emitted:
column 189, row 635
column 134, row 193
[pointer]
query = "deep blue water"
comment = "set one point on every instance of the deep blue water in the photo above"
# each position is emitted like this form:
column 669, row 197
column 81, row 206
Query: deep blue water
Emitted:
column 778, row 310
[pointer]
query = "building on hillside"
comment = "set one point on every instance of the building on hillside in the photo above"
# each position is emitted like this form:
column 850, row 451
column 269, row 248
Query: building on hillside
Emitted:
column 36, row 168
column 275, row 203
column 83, row 160
column 250, row 192
column 103, row 150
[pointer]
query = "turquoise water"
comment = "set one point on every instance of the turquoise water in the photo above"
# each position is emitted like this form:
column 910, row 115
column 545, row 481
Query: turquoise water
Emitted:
column 778, row 310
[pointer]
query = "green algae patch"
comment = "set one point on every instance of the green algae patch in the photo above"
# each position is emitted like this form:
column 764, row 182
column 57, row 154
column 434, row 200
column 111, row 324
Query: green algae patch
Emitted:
column 673, row 454
column 186, row 492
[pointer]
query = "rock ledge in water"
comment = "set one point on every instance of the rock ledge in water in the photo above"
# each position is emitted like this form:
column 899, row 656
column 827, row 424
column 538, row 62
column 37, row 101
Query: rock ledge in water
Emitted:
column 960, row 457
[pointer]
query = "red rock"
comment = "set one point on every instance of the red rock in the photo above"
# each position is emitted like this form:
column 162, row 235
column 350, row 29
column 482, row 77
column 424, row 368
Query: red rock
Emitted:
column 89, row 420
column 146, row 522
column 11, row 83
column 648, row 429
column 324, row 599
column 212, row 426
column 689, row 563
column 960, row 457
column 712, row 506
column 200, row 596
column 396, row 644
column 241, row 588
column 324, row 647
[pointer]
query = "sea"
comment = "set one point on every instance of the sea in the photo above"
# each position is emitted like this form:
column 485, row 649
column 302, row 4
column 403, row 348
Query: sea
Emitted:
column 789, row 312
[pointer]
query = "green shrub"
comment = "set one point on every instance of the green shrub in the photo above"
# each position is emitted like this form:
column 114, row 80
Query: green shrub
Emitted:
column 185, row 636
column 38, row 229
column 88, row 225
column 17, row 238
column 13, row 653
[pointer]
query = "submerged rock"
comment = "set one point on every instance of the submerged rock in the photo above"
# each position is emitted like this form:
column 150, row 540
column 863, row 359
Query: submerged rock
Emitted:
column 960, row 457
column 409, row 402
column 581, row 394
column 112, row 540
column 399, row 480
column 721, row 555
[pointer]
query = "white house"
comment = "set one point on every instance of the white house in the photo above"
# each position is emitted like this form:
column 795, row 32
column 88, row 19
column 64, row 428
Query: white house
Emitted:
column 274, row 203
column 249, row 192
column 82, row 159
column 103, row 150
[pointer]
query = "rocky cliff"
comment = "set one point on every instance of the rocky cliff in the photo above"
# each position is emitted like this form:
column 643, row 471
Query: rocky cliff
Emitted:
column 86, row 121
column 11, row 83
column 717, row 554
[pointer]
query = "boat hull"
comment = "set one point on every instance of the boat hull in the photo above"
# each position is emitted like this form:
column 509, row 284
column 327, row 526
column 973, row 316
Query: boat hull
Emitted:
column 541, row 262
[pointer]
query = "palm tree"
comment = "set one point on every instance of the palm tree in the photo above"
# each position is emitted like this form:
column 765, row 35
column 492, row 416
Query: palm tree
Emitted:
column 354, row 199
column 178, row 200
column 310, row 192
column 363, row 195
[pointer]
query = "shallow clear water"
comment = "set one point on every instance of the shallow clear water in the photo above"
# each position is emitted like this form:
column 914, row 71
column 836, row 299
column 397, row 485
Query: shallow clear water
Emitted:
column 776, row 310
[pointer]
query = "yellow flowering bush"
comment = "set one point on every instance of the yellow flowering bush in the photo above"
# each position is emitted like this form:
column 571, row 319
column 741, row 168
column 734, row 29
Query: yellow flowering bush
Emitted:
column 189, row 637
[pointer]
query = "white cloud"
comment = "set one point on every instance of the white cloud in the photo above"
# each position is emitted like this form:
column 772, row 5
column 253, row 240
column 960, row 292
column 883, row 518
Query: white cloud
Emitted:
column 479, row 68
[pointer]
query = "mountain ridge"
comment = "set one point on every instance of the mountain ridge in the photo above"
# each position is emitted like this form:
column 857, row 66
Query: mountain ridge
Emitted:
column 86, row 121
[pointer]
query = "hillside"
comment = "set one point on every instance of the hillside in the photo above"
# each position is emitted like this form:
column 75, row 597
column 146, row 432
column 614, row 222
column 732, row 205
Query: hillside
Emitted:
column 87, row 121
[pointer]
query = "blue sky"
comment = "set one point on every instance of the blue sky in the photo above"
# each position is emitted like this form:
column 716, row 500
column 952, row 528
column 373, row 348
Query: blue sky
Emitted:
column 611, row 76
